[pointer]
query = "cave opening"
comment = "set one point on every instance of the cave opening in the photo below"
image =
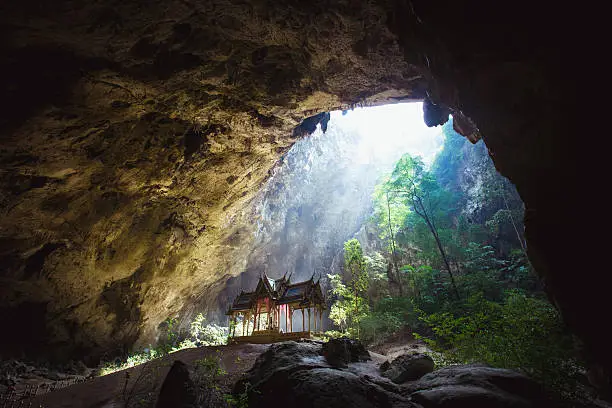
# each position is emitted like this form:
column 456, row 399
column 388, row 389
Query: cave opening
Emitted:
column 435, row 231
column 414, row 237
column 321, row 193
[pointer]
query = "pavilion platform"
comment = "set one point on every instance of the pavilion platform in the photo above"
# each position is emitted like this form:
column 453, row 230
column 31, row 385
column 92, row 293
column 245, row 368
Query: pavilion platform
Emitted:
column 272, row 336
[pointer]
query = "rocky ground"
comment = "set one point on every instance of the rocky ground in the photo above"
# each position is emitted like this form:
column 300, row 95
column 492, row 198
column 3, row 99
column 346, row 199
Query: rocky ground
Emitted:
column 340, row 373
column 19, row 379
column 402, row 342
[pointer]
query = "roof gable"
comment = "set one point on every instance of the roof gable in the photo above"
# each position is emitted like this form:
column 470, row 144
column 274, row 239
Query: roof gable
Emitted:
column 243, row 301
column 282, row 291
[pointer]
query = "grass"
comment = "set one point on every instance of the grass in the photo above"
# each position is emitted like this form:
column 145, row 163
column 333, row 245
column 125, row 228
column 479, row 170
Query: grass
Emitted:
column 200, row 334
column 142, row 357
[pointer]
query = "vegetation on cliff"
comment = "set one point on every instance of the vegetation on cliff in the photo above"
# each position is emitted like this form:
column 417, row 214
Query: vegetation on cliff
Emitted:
column 449, row 261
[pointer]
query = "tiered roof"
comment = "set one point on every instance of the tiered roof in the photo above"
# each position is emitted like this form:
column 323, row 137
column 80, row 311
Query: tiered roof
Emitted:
column 282, row 291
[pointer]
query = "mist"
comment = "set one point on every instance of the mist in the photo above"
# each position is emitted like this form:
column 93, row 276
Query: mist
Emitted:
column 321, row 193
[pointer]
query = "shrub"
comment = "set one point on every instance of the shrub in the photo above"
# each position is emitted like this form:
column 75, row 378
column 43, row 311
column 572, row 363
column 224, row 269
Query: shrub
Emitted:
column 333, row 334
column 207, row 334
column 522, row 333
column 200, row 334
column 388, row 316
column 207, row 374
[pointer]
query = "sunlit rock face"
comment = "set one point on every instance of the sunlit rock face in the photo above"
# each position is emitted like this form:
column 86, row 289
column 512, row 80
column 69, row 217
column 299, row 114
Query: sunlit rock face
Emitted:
column 134, row 140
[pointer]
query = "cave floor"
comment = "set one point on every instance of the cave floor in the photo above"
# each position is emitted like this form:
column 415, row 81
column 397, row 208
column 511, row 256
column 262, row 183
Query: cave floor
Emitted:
column 144, row 381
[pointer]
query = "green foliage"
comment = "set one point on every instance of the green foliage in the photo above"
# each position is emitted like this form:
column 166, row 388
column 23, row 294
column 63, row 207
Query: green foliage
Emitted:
column 388, row 316
column 428, row 209
column 522, row 333
column 378, row 281
column 333, row 334
column 208, row 372
column 339, row 310
column 355, row 264
column 241, row 400
column 170, row 341
column 350, row 304
column 389, row 213
column 209, row 368
column 207, row 334
column 166, row 344
column 430, row 289
column 456, row 270
column 169, row 336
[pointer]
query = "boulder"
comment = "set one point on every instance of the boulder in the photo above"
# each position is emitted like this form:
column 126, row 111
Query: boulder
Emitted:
column 340, row 352
column 297, row 375
column 408, row 367
column 178, row 389
column 285, row 357
column 477, row 386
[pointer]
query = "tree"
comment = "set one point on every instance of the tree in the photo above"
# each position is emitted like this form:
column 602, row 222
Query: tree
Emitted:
column 390, row 215
column 350, row 303
column 500, row 194
column 355, row 264
column 419, row 188
column 341, row 305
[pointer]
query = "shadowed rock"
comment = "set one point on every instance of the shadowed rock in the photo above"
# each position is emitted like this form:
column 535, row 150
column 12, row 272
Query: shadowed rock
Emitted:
column 408, row 367
column 178, row 390
column 296, row 375
column 478, row 386
column 340, row 352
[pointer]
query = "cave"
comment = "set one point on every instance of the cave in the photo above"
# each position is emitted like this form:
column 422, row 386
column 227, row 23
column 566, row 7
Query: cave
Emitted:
column 135, row 138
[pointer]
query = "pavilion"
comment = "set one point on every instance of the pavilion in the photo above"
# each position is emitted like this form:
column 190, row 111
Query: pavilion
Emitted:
column 266, row 315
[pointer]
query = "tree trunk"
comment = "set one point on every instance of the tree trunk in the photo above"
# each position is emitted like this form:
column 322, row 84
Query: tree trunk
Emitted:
column 434, row 232
column 518, row 235
column 393, row 251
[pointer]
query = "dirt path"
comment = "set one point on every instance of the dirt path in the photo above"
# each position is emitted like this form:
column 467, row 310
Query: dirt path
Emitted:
column 144, row 381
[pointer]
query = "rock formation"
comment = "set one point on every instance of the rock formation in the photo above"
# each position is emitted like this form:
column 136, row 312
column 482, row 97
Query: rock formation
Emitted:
column 295, row 374
column 407, row 367
column 178, row 389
